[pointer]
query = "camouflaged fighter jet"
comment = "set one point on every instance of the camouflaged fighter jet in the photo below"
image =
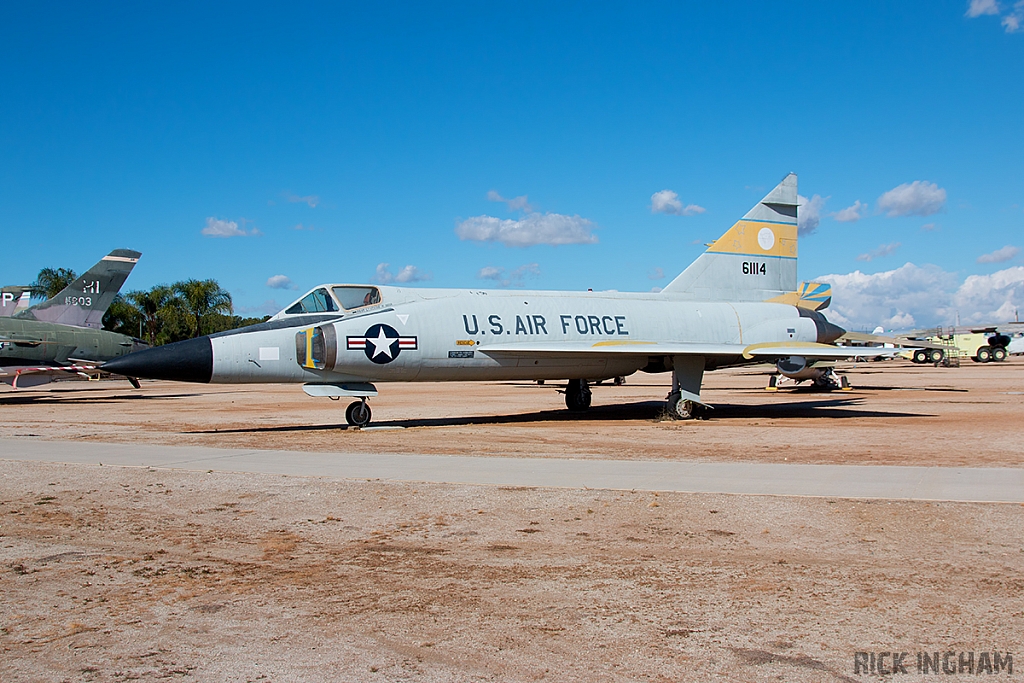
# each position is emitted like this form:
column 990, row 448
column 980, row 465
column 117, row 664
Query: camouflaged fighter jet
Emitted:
column 64, row 335
column 737, row 304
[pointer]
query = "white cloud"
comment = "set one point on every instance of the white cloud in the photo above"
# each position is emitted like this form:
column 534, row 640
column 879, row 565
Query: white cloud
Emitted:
column 929, row 227
column 1000, row 255
column 514, row 204
column 667, row 201
column 509, row 279
column 1012, row 21
column 987, row 299
column 852, row 213
column 655, row 274
column 882, row 250
column 532, row 229
column 310, row 200
column 280, row 282
column 216, row 227
column 900, row 298
column 808, row 213
column 976, row 8
column 407, row 274
column 491, row 273
column 919, row 198
column 913, row 296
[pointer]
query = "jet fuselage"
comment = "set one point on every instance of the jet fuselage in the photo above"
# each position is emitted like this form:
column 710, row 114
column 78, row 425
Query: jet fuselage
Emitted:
column 31, row 342
column 440, row 335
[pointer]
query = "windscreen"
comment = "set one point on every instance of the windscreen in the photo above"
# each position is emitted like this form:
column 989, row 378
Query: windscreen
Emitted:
column 317, row 301
column 353, row 297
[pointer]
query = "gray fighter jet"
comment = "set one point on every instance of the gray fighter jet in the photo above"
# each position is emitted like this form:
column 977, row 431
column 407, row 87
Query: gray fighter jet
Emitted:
column 64, row 335
column 737, row 304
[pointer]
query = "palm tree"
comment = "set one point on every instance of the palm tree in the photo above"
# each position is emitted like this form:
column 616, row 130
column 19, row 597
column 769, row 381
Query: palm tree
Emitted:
column 151, row 305
column 52, row 281
column 200, row 298
column 123, row 317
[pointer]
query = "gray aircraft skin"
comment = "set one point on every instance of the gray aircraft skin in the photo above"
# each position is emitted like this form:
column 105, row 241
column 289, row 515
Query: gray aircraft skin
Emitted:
column 63, row 335
column 738, row 303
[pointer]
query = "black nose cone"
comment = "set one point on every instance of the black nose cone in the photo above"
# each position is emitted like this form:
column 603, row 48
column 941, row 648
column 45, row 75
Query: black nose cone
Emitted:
column 185, row 361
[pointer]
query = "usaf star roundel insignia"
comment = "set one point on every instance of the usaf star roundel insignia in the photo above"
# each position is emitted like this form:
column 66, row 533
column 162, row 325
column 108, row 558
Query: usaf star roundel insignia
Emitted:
column 382, row 343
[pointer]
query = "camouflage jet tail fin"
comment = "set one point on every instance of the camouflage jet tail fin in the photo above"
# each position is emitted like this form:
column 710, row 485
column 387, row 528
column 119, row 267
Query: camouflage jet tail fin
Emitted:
column 84, row 301
column 14, row 300
column 755, row 260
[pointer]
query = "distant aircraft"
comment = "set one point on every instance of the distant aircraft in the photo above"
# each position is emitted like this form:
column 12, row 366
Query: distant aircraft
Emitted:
column 737, row 304
column 14, row 300
column 63, row 335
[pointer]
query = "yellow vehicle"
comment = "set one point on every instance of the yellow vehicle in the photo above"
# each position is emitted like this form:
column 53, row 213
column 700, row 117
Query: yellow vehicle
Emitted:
column 981, row 346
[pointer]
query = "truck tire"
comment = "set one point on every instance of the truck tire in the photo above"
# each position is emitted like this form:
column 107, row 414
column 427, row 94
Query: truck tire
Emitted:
column 936, row 355
column 999, row 354
column 920, row 356
column 984, row 354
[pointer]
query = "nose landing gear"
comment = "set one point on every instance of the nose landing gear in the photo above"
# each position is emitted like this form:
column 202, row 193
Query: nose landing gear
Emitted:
column 358, row 413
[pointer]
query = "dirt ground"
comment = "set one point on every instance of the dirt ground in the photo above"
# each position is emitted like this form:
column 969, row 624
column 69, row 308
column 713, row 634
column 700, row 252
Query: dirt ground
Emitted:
column 112, row 574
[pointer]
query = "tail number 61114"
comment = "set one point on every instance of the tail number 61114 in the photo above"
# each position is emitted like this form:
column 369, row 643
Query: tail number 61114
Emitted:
column 754, row 268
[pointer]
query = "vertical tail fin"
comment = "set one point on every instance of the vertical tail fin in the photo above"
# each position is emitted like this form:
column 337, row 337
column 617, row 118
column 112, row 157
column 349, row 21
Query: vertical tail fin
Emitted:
column 13, row 300
column 754, row 260
column 84, row 301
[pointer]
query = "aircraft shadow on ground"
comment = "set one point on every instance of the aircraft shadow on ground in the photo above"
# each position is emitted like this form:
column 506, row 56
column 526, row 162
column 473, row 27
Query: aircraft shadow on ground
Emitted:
column 65, row 398
column 841, row 408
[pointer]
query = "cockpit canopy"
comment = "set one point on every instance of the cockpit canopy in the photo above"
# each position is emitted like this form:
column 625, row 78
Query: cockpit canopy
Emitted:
column 340, row 297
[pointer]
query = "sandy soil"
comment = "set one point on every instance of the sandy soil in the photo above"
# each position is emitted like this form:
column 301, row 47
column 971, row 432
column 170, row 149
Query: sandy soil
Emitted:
column 112, row 574
column 115, row 574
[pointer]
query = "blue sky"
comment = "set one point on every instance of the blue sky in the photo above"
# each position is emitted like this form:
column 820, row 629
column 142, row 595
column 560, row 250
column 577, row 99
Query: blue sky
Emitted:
column 320, row 141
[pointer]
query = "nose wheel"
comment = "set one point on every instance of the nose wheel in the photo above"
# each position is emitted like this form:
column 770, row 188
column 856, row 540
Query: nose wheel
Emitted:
column 358, row 413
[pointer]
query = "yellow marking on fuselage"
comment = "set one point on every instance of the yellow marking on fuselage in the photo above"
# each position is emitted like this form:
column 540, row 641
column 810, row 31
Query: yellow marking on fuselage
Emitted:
column 623, row 343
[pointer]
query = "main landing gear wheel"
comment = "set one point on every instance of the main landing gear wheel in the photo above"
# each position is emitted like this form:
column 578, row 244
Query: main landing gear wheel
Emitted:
column 577, row 395
column 681, row 408
column 358, row 413
column 998, row 354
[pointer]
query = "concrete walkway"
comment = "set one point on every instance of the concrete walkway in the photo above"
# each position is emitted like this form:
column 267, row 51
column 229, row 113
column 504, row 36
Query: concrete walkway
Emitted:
column 978, row 484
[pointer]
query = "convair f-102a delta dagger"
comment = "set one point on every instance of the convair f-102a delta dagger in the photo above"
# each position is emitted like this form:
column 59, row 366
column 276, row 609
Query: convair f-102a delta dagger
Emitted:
column 737, row 304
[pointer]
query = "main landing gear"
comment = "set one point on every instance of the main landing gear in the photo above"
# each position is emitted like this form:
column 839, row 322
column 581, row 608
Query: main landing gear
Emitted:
column 358, row 413
column 577, row 395
column 680, row 407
